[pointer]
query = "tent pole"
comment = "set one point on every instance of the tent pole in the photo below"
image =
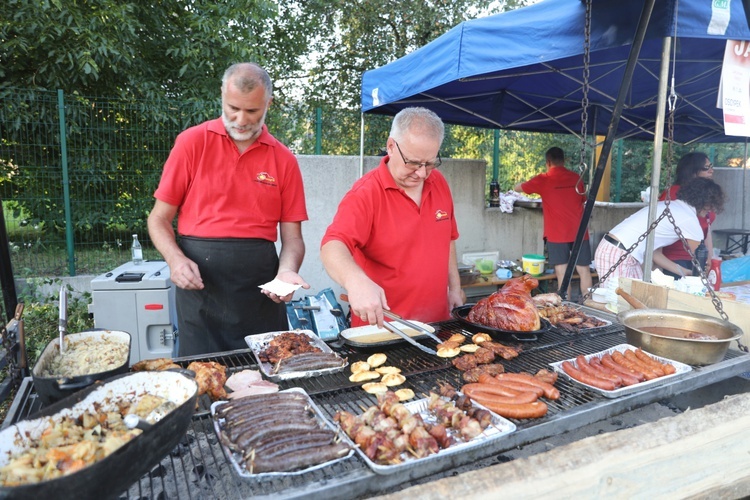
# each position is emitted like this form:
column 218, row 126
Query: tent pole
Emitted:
column 744, row 179
column 362, row 144
column 627, row 78
column 648, row 258
column 7, row 281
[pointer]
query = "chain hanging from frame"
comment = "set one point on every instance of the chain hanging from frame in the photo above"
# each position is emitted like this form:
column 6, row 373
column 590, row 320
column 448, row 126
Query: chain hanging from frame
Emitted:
column 582, row 165
column 715, row 299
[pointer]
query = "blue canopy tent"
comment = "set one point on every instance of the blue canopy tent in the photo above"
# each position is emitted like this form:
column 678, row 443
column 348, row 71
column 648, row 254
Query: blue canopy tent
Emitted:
column 523, row 70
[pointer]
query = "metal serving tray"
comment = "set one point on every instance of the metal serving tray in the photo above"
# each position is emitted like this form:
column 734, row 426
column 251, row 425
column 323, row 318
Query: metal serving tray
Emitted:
column 680, row 368
column 259, row 342
column 235, row 459
column 498, row 428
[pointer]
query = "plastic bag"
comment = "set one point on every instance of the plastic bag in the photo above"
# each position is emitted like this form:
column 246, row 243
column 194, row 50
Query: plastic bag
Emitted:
column 735, row 269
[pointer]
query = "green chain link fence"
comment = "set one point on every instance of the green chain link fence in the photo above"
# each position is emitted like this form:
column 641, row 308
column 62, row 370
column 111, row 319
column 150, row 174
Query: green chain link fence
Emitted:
column 77, row 174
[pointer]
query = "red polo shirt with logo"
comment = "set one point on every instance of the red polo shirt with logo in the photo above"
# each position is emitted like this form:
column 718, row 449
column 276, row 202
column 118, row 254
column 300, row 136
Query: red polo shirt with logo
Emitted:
column 562, row 206
column 224, row 194
column 402, row 247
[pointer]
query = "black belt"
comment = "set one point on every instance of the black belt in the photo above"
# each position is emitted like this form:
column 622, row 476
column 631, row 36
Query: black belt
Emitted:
column 615, row 242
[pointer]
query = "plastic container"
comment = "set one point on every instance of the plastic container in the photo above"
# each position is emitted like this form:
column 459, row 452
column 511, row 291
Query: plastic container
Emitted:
column 533, row 264
column 714, row 275
column 485, row 266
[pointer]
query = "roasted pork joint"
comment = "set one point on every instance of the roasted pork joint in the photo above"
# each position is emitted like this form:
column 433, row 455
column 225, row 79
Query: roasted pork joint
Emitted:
column 510, row 308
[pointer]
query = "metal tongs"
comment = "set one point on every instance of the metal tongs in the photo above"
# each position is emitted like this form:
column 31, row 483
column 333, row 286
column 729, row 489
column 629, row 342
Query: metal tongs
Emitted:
column 397, row 331
column 413, row 326
column 63, row 316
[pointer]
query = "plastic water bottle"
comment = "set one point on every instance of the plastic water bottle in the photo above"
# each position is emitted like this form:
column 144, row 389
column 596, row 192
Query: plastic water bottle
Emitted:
column 701, row 255
column 136, row 251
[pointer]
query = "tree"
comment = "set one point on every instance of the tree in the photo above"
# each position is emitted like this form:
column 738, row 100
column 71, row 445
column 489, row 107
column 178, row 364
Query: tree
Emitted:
column 360, row 36
column 158, row 65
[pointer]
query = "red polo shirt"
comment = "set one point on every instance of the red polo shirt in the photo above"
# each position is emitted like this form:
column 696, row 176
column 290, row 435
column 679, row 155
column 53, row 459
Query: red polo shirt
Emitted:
column 224, row 194
column 402, row 247
column 562, row 206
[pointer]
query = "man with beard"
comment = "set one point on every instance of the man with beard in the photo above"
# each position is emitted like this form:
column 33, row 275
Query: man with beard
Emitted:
column 233, row 184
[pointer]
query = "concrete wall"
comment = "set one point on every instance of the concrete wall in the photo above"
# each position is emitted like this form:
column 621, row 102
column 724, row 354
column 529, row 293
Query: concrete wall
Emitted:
column 328, row 178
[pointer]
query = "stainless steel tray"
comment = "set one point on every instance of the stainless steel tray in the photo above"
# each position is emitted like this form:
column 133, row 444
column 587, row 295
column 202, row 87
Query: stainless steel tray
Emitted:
column 259, row 342
column 372, row 336
column 680, row 368
column 498, row 428
column 235, row 459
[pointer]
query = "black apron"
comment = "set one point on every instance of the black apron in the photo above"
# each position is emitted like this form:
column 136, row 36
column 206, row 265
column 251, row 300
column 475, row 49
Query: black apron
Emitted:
column 231, row 306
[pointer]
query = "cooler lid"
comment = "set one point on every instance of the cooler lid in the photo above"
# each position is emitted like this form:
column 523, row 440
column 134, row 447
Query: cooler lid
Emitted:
column 151, row 274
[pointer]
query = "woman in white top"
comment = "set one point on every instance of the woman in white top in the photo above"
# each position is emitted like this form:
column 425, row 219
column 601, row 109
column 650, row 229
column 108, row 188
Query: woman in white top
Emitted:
column 695, row 198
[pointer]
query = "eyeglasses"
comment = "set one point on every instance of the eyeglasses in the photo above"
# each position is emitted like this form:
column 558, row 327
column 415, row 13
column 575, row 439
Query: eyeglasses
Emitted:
column 708, row 167
column 415, row 165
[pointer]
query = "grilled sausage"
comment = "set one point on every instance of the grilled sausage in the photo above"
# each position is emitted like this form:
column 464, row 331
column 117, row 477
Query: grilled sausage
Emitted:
column 643, row 366
column 485, row 393
column 549, row 391
column 595, row 368
column 585, row 378
column 665, row 367
column 259, row 400
column 297, row 459
column 301, row 442
column 623, row 371
column 620, row 359
column 536, row 409
column 628, row 377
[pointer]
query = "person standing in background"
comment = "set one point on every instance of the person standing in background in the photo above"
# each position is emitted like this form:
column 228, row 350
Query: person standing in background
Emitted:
column 234, row 186
column 689, row 167
column 562, row 209
column 695, row 198
column 391, row 244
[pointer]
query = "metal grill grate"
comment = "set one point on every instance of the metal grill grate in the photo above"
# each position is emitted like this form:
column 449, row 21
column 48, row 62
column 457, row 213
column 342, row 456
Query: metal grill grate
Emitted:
column 197, row 468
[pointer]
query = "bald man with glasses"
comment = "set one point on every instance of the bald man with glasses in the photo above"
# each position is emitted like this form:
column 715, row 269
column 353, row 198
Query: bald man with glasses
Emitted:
column 391, row 244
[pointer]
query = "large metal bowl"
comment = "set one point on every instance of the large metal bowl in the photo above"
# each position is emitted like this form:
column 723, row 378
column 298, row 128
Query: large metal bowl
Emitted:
column 51, row 388
column 685, row 350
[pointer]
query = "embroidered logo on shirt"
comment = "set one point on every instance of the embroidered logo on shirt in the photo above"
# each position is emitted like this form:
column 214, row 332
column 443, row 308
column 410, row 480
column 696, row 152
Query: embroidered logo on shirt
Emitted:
column 441, row 215
column 265, row 178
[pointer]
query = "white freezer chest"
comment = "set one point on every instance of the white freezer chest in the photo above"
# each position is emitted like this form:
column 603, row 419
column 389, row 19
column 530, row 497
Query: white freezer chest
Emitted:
column 138, row 299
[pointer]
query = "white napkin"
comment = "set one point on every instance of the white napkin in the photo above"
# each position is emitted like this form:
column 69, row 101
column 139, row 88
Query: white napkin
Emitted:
column 280, row 288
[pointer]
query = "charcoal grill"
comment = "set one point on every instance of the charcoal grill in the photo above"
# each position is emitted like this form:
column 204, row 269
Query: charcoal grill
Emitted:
column 197, row 468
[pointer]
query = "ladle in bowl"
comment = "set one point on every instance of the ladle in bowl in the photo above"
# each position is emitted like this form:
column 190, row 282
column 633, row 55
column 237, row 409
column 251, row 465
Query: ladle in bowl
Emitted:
column 634, row 303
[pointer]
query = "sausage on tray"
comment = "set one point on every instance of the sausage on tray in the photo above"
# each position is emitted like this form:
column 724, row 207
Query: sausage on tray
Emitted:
column 666, row 367
column 549, row 391
column 590, row 368
column 585, row 378
column 621, row 370
column 536, row 409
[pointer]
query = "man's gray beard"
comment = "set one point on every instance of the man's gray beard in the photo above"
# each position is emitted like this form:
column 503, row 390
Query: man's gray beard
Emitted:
column 241, row 136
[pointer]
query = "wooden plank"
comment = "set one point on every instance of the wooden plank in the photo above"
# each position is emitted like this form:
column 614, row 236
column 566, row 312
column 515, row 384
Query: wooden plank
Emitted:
column 653, row 296
column 694, row 454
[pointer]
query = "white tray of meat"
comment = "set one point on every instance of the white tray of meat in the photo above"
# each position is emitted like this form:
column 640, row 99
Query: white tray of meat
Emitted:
column 247, row 430
column 285, row 355
column 420, row 449
column 581, row 374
